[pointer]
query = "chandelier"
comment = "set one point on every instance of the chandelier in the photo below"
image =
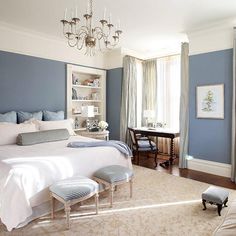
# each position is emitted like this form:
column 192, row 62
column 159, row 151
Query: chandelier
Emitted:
column 92, row 37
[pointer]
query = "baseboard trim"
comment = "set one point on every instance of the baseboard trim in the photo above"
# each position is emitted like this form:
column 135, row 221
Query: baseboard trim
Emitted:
column 211, row 167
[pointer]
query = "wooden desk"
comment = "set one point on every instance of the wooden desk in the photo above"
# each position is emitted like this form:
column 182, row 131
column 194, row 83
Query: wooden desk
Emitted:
column 164, row 133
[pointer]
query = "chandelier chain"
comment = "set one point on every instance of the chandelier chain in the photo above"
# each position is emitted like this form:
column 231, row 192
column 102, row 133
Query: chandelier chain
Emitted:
column 91, row 7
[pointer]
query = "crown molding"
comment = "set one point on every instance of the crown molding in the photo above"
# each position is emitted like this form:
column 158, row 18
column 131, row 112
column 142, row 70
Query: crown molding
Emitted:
column 217, row 25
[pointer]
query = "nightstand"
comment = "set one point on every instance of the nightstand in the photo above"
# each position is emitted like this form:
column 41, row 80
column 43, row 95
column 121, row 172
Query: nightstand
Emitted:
column 104, row 135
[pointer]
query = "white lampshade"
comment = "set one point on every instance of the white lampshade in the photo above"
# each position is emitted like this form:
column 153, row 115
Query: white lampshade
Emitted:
column 87, row 111
column 148, row 114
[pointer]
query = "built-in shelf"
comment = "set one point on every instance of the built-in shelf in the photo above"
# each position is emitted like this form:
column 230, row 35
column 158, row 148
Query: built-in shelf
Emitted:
column 84, row 82
column 85, row 86
column 84, row 100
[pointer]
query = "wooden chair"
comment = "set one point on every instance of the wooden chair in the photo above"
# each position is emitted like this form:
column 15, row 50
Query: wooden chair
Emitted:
column 142, row 144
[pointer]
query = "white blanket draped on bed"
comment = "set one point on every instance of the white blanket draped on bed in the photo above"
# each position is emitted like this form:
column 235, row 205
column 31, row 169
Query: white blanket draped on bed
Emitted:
column 26, row 172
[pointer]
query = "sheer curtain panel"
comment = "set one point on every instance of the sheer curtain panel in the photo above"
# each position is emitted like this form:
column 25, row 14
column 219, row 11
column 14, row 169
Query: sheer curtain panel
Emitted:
column 149, row 86
column 128, row 115
column 184, row 104
column 168, row 98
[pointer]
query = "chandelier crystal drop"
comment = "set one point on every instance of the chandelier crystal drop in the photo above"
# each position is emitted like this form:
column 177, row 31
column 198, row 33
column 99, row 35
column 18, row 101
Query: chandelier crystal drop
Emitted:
column 106, row 35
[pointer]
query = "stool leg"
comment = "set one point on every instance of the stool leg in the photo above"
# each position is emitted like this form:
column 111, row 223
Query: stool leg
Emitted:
column 52, row 206
column 219, row 206
column 131, row 188
column 96, row 202
column 204, row 204
column 67, row 211
column 225, row 202
column 111, row 195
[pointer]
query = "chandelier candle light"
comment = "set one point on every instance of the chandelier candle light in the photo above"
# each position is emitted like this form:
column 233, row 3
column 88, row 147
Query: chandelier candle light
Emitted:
column 88, row 35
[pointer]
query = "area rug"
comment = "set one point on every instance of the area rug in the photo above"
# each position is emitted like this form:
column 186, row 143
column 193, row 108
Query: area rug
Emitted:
column 162, row 204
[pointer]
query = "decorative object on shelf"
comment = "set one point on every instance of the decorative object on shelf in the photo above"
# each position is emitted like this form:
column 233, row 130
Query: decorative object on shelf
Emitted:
column 210, row 101
column 75, row 80
column 96, row 82
column 148, row 114
column 88, row 82
column 89, row 35
column 74, row 94
column 93, row 127
column 76, row 111
column 76, row 123
column 95, row 96
column 103, row 125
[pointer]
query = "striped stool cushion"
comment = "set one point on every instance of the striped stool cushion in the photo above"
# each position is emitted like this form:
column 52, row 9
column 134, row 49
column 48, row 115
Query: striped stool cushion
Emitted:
column 114, row 173
column 74, row 188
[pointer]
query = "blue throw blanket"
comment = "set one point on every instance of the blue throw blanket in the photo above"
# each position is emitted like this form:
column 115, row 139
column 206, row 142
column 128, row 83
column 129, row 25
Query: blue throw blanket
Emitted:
column 121, row 146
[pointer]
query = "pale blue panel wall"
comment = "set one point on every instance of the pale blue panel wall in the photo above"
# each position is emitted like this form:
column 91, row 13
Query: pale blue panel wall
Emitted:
column 209, row 139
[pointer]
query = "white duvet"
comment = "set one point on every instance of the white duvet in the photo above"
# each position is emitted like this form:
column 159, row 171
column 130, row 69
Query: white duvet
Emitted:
column 26, row 172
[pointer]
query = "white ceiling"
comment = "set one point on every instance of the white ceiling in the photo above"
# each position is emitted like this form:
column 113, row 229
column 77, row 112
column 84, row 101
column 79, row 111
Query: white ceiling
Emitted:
column 149, row 26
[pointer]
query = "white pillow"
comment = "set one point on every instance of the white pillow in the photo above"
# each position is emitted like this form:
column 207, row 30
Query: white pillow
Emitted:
column 33, row 121
column 10, row 131
column 57, row 124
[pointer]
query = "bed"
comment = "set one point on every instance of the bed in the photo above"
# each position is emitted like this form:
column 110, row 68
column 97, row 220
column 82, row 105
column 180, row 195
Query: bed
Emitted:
column 26, row 172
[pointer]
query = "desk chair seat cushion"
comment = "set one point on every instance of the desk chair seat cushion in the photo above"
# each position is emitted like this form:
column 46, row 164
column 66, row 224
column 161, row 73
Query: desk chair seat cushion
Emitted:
column 215, row 195
column 144, row 145
column 113, row 173
column 74, row 188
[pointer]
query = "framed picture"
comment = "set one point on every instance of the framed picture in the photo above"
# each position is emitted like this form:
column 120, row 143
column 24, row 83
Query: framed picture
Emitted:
column 210, row 101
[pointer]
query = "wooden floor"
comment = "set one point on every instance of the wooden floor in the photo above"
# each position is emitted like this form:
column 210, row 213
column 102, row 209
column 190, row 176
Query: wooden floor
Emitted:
column 190, row 174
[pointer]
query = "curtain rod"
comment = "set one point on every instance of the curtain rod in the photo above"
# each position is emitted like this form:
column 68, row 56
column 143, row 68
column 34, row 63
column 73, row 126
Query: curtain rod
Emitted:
column 176, row 54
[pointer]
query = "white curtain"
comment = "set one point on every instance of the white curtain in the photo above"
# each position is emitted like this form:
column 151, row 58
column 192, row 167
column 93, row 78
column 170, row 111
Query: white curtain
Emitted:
column 149, row 86
column 184, row 106
column 233, row 145
column 168, row 97
column 128, row 116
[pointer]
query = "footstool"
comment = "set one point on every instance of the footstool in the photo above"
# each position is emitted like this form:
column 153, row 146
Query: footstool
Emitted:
column 73, row 190
column 114, row 175
column 216, row 196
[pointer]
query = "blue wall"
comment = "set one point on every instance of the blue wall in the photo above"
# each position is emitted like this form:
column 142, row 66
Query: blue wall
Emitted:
column 209, row 139
column 29, row 83
column 114, row 81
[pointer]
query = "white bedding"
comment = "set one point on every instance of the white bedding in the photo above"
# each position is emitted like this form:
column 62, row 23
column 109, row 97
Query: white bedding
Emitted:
column 26, row 172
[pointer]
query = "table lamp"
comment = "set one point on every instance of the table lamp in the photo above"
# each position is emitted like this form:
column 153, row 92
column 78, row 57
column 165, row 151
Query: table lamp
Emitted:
column 148, row 114
column 88, row 112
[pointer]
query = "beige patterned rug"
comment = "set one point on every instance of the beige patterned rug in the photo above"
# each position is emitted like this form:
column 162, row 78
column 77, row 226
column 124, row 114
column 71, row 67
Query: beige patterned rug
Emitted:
column 162, row 204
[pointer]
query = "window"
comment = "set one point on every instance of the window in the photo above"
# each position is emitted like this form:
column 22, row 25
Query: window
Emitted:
column 167, row 92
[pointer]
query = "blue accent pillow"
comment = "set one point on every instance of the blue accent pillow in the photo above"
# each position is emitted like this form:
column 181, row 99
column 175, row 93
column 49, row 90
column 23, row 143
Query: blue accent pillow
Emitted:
column 22, row 116
column 50, row 115
column 8, row 117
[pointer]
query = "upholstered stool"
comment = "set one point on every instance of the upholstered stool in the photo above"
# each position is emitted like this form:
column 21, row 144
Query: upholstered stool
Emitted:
column 114, row 175
column 73, row 190
column 215, row 195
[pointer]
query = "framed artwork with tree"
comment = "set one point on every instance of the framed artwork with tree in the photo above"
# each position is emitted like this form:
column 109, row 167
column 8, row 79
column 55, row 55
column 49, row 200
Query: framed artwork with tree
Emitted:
column 210, row 101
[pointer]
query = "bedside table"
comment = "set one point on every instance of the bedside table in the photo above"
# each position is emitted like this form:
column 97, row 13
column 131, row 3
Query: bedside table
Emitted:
column 104, row 135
